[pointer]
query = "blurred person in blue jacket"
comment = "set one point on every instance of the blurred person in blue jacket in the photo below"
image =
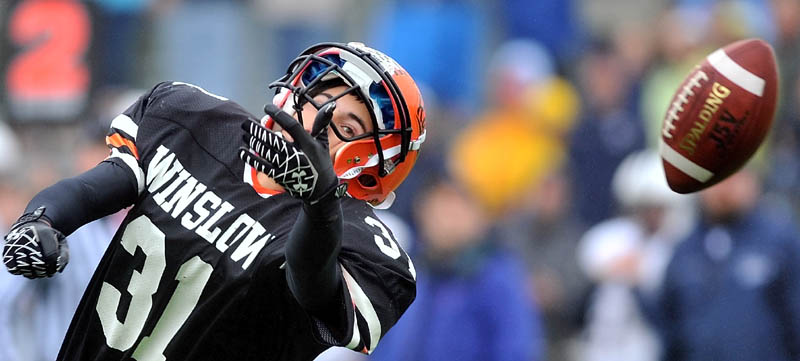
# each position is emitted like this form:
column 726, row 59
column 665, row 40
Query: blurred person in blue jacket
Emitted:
column 608, row 130
column 454, row 32
column 784, row 149
column 471, row 300
column 555, row 23
column 732, row 289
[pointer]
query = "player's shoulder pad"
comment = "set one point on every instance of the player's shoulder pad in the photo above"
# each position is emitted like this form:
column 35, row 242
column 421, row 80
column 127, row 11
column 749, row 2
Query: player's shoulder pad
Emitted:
column 369, row 236
column 168, row 88
column 181, row 101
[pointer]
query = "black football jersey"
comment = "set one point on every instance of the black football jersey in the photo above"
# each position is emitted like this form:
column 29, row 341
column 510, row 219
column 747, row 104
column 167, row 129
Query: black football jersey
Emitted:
column 195, row 271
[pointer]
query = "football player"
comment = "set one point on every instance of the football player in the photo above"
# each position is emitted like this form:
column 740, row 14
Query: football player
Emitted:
column 246, row 239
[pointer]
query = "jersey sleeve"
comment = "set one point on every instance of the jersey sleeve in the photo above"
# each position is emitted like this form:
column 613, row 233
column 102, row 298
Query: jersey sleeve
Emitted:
column 121, row 139
column 379, row 279
column 134, row 135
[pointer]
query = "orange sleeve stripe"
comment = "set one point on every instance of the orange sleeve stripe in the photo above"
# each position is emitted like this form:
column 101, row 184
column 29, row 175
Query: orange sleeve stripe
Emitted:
column 117, row 141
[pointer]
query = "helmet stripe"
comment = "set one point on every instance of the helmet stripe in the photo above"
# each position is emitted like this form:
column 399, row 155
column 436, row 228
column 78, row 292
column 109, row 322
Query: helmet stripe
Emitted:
column 388, row 153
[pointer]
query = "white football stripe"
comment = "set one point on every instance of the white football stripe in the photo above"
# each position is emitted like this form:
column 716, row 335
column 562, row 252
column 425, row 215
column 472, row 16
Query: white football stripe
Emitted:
column 684, row 164
column 125, row 124
column 735, row 73
column 131, row 162
column 364, row 306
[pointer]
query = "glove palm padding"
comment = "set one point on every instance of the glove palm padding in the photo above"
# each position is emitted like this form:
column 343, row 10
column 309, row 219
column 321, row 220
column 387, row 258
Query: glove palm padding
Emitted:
column 303, row 167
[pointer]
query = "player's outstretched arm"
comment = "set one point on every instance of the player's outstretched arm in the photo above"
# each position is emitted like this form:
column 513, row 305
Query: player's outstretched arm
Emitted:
column 35, row 245
column 305, row 170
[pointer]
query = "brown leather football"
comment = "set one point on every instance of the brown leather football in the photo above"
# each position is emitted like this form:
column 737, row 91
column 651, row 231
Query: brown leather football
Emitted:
column 719, row 115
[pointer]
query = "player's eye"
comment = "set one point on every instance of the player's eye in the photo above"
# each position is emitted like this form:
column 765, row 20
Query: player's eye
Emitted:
column 347, row 131
column 349, row 127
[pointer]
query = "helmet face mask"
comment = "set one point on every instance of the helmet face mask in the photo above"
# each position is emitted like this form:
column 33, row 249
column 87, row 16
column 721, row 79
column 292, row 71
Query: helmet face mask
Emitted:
column 376, row 162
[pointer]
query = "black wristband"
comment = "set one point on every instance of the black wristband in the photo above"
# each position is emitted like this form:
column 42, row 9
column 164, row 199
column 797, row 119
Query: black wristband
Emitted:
column 29, row 217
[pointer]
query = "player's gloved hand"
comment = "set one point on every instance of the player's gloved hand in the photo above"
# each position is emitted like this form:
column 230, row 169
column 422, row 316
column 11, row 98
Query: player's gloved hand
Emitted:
column 302, row 167
column 33, row 248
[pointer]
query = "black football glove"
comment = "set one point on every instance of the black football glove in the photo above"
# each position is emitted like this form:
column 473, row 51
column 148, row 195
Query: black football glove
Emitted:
column 302, row 167
column 33, row 248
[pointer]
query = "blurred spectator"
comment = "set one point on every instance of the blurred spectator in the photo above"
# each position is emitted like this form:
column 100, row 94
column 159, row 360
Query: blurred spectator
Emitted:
column 785, row 135
column 634, row 43
column 732, row 20
column 600, row 18
column 118, row 38
column 35, row 314
column 202, row 42
column 519, row 140
column 510, row 159
column 615, row 326
column 787, row 49
column 641, row 189
column 552, row 22
column 453, row 34
column 607, row 132
column 471, row 299
column 293, row 28
column 627, row 253
column 545, row 234
column 284, row 29
column 680, row 35
column 732, row 289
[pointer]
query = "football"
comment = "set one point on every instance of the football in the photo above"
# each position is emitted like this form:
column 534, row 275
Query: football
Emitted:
column 719, row 115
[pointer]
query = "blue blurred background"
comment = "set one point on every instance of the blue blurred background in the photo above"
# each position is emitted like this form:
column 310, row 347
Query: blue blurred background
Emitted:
column 537, row 214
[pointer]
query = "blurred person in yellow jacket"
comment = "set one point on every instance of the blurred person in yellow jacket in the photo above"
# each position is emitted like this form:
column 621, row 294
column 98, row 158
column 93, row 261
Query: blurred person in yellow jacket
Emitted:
column 510, row 162
column 519, row 139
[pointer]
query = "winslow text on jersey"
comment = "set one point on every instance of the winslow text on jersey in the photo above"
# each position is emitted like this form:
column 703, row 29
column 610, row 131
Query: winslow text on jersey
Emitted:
column 186, row 199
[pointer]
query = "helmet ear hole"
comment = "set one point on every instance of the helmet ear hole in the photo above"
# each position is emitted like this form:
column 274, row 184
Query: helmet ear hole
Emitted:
column 367, row 181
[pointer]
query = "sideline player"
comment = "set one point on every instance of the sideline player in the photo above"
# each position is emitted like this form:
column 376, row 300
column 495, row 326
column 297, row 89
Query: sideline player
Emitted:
column 262, row 250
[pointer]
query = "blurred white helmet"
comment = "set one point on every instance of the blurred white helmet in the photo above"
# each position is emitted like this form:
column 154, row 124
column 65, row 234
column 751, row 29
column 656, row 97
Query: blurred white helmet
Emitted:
column 640, row 181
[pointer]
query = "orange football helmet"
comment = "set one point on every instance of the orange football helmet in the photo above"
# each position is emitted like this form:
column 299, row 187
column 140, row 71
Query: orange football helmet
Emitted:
column 375, row 163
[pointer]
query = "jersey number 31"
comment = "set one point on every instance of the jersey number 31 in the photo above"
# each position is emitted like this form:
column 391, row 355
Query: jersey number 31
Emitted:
column 192, row 278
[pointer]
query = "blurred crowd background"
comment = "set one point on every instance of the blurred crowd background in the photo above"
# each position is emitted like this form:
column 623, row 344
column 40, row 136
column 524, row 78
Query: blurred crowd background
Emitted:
column 537, row 215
